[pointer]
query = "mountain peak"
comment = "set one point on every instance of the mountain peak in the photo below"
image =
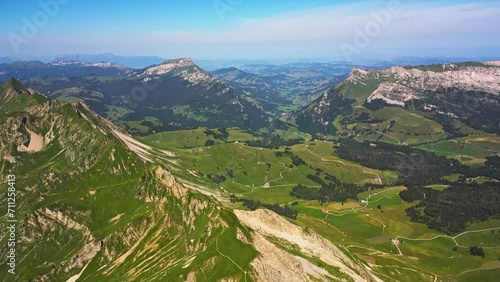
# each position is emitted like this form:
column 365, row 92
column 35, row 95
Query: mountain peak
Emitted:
column 168, row 66
column 493, row 63
column 180, row 61
column 357, row 74
column 14, row 86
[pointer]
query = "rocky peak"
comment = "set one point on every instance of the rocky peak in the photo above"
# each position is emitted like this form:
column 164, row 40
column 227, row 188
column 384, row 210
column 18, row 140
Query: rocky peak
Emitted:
column 398, row 84
column 59, row 62
column 493, row 63
column 168, row 66
column 183, row 67
column 180, row 61
column 357, row 74
column 14, row 87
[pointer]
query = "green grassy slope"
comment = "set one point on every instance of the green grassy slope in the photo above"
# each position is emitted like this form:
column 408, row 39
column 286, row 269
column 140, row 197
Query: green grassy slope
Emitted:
column 88, row 206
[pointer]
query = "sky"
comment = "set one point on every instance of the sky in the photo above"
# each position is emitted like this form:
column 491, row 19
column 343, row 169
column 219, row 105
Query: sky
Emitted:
column 250, row 29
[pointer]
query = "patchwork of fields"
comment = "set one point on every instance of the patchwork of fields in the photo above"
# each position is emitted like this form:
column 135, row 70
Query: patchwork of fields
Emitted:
column 373, row 228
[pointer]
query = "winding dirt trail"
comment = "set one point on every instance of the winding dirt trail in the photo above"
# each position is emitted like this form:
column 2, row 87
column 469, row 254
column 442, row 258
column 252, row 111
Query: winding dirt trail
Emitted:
column 231, row 260
column 453, row 237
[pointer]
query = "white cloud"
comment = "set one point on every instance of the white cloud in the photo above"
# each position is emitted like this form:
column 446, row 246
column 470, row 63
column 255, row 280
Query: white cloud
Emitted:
column 307, row 33
column 337, row 23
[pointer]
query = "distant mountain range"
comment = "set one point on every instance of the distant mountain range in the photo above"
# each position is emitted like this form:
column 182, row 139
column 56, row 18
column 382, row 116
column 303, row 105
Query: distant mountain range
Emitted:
column 129, row 61
column 449, row 99
column 175, row 94
column 58, row 68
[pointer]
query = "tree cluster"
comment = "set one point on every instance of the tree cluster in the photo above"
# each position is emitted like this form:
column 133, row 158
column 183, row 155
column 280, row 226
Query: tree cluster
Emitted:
column 253, row 205
column 451, row 210
column 416, row 167
column 476, row 251
column 332, row 190
column 216, row 178
column 273, row 141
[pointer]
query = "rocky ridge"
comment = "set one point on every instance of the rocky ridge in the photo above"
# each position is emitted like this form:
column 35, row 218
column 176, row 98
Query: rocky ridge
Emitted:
column 400, row 84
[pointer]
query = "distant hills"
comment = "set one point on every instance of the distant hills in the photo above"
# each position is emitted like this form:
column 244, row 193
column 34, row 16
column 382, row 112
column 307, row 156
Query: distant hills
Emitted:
column 129, row 61
column 285, row 87
column 58, row 68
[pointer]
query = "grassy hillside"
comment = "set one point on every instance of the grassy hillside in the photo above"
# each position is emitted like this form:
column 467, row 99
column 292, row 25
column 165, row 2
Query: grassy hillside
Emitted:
column 362, row 227
column 88, row 207
column 183, row 97
column 95, row 204
column 416, row 109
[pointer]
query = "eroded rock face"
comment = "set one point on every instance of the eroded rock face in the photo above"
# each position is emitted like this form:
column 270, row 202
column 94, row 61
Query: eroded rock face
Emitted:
column 268, row 223
column 175, row 188
column 274, row 264
column 402, row 84
column 168, row 66
column 184, row 68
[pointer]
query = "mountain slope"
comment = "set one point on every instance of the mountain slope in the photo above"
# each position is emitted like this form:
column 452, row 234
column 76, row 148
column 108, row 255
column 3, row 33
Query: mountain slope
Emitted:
column 94, row 204
column 88, row 206
column 442, row 100
column 246, row 81
column 173, row 95
column 254, row 87
column 281, row 88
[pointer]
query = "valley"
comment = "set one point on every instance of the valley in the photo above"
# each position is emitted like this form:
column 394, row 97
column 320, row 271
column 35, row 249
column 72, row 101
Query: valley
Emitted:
column 250, row 141
column 362, row 227
column 341, row 189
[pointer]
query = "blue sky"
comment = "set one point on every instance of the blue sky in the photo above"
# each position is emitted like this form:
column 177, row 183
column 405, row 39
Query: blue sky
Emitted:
column 223, row 29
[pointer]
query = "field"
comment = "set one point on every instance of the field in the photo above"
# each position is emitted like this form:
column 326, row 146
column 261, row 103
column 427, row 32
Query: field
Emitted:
column 192, row 138
column 399, row 126
column 469, row 150
column 366, row 229
column 257, row 173
column 293, row 133
column 374, row 228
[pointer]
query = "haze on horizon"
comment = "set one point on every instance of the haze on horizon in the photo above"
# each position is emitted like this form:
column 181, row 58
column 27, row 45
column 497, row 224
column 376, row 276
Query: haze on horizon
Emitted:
column 230, row 29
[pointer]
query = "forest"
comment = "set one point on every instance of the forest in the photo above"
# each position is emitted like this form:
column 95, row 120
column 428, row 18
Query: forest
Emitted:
column 284, row 210
column 477, row 109
column 273, row 141
column 416, row 167
column 331, row 191
column 451, row 210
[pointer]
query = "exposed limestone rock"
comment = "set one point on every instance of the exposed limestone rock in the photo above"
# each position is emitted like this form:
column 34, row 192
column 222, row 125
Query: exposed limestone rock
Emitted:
column 241, row 236
column 402, row 84
column 274, row 264
column 271, row 224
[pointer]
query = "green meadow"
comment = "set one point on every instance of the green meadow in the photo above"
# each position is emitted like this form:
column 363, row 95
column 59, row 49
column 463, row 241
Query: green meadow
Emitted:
column 362, row 228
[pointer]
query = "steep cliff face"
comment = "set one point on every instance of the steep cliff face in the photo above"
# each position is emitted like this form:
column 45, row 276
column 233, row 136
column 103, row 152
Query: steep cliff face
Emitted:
column 310, row 244
column 398, row 84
